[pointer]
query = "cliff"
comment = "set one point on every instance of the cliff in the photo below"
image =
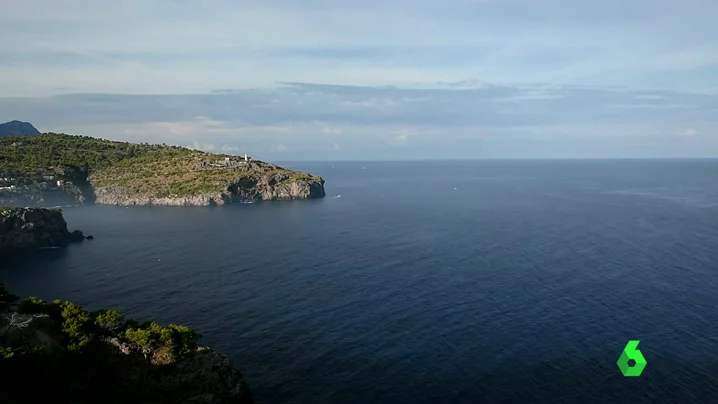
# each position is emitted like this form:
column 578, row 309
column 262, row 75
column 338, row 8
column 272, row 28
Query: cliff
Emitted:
column 57, row 169
column 58, row 352
column 30, row 228
column 192, row 178
column 14, row 128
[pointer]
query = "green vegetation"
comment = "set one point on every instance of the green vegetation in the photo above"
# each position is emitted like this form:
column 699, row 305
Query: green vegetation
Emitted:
column 40, row 155
column 137, row 169
column 81, row 329
column 58, row 352
column 175, row 340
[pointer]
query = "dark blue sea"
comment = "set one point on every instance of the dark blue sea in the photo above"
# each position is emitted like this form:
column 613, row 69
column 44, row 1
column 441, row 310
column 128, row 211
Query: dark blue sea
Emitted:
column 428, row 282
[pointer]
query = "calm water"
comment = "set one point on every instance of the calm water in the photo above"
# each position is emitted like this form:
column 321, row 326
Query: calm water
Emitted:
column 460, row 282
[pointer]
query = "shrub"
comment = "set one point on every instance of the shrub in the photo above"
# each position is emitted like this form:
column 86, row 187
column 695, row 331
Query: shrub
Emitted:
column 33, row 305
column 109, row 320
column 6, row 352
column 80, row 328
column 183, row 339
column 177, row 340
column 140, row 337
column 76, row 325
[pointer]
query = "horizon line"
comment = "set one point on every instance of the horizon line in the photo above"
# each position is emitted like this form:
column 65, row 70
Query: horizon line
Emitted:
column 496, row 159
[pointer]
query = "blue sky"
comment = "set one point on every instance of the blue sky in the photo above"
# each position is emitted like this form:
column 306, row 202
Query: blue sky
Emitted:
column 375, row 79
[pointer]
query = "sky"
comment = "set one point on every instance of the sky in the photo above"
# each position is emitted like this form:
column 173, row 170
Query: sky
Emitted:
column 302, row 80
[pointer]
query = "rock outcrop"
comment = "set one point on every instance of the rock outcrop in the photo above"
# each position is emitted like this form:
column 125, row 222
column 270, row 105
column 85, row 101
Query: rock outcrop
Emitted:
column 115, row 361
column 44, row 193
column 31, row 228
column 253, row 188
column 60, row 170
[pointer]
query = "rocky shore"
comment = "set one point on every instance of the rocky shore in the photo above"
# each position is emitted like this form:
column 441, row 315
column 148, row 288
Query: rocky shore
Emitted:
column 59, row 170
column 254, row 188
column 32, row 228
column 80, row 191
column 58, row 352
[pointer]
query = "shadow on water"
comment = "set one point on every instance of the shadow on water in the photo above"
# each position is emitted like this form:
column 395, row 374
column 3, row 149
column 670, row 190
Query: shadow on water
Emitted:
column 41, row 264
column 33, row 257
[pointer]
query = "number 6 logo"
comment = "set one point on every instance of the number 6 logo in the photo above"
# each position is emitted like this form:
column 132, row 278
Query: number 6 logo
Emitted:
column 631, row 353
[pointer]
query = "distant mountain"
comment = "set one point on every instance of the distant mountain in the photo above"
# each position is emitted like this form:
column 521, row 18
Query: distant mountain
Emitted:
column 14, row 128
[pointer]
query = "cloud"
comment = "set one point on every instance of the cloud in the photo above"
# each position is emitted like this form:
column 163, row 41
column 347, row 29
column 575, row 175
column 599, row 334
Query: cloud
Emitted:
column 280, row 148
column 386, row 79
column 208, row 147
column 403, row 134
column 173, row 47
column 332, row 130
column 306, row 120
column 229, row 149
column 330, row 107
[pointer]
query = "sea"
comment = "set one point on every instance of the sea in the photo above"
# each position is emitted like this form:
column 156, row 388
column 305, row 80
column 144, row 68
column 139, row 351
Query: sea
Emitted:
column 504, row 281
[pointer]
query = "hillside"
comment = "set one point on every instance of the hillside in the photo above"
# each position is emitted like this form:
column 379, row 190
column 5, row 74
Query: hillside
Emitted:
column 59, row 169
column 17, row 128
column 58, row 352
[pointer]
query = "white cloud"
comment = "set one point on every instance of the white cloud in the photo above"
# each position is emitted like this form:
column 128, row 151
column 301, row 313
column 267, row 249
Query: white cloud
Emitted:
column 279, row 148
column 170, row 46
column 208, row 147
column 330, row 130
column 490, row 121
column 229, row 149
column 689, row 132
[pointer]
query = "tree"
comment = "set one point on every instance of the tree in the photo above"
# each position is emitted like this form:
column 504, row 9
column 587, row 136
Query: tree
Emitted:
column 76, row 325
column 142, row 339
column 110, row 320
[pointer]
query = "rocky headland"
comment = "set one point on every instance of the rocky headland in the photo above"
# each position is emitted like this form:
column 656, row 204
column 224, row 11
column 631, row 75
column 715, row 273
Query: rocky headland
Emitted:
column 61, row 353
column 57, row 169
column 24, row 229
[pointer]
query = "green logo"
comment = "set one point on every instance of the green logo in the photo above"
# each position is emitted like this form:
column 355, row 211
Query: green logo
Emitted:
column 631, row 353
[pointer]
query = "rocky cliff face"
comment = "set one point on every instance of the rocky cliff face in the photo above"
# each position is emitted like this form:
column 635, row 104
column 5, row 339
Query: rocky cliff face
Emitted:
column 43, row 193
column 38, row 365
column 276, row 187
column 73, row 187
column 68, row 186
column 30, row 228
column 254, row 188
